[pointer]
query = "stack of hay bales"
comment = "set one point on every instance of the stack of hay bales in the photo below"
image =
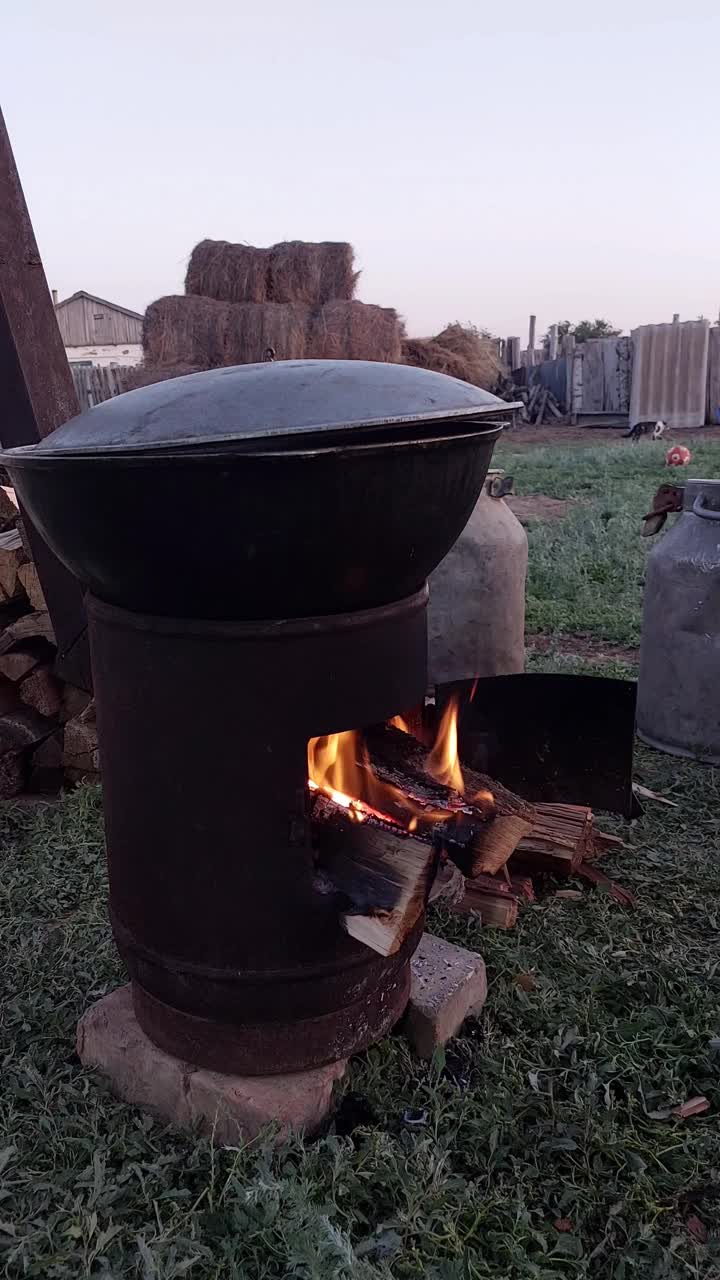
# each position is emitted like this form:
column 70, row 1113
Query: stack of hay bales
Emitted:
column 459, row 350
column 295, row 298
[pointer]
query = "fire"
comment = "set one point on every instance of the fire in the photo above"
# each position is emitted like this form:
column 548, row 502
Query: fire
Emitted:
column 339, row 765
column 443, row 763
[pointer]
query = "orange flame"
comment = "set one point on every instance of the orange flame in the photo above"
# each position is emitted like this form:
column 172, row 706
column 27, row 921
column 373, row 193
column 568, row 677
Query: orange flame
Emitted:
column 339, row 766
column 443, row 763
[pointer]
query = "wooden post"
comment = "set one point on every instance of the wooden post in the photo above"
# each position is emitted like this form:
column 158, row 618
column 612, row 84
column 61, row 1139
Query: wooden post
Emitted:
column 569, row 350
column 513, row 354
column 531, row 342
column 553, row 342
column 38, row 395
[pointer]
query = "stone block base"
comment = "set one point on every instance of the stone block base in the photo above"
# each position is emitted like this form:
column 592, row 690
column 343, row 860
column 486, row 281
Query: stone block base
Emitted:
column 449, row 984
column 231, row 1108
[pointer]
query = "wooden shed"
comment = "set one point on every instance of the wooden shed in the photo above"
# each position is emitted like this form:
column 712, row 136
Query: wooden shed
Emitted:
column 87, row 321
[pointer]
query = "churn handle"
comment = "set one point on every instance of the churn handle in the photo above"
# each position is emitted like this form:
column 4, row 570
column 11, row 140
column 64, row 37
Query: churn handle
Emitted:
column 705, row 512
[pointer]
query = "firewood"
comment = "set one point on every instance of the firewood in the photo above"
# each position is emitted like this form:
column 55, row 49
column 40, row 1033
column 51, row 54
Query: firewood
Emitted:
column 382, row 878
column 74, row 702
column 11, row 558
column 558, row 840
column 542, row 401
column 484, row 825
column 597, row 877
column 31, row 626
column 601, row 843
column 554, row 407
column 523, row 888
column 28, row 575
column 42, row 690
column 23, row 728
column 12, row 774
column 49, row 754
column 80, row 750
column 14, row 666
column 8, row 505
column 496, row 909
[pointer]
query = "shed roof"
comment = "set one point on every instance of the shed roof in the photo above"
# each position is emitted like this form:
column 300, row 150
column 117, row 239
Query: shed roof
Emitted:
column 92, row 297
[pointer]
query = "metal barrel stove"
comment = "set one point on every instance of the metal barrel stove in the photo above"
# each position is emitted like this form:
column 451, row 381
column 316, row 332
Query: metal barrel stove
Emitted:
column 256, row 543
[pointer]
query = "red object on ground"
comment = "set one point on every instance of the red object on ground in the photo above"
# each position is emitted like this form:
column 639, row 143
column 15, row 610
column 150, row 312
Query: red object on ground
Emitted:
column 678, row 456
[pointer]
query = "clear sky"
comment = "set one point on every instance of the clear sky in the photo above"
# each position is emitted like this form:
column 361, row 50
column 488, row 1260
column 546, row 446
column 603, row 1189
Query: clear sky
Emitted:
column 485, row 160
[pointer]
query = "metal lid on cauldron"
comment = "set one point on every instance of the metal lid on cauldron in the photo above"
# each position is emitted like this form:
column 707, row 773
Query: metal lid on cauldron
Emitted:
column 254, row 407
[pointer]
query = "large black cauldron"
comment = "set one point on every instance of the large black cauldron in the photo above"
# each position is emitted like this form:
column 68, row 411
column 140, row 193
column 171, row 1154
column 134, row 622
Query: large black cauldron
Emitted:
column 288, row 489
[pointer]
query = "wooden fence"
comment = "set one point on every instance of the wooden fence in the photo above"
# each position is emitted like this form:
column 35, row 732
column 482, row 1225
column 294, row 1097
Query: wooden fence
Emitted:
column 94, row 384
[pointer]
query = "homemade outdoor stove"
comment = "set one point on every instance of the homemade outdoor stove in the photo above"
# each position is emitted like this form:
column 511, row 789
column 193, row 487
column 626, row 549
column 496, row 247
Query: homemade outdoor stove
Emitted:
column 323, row 493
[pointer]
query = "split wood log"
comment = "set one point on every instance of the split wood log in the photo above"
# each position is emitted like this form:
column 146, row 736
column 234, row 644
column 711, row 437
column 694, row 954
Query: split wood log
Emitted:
column 486, row 822
column 11, row 558
column 13, row 769
column 542, row 401
column 80, row 750
column 42, row 690
column 559, row 840
column 383, row 877
column 29, row 627
column 499, row 910
column 74, row 702
column 28, row 575
column 49, row 754
column 16, row 665
column 8, row 505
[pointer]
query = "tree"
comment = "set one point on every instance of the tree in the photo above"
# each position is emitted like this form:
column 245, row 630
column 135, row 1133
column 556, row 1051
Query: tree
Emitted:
column 584, row 329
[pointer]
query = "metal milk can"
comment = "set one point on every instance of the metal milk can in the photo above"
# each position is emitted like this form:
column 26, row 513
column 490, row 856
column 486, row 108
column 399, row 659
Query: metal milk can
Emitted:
column 678, row 706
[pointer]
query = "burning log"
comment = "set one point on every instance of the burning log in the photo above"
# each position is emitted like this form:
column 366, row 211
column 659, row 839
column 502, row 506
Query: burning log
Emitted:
column 383, row 875
column 489, row 820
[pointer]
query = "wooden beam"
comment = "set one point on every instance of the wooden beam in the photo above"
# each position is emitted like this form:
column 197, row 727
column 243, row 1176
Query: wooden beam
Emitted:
column 38, row 395
column 531, row 341
column 553, row 344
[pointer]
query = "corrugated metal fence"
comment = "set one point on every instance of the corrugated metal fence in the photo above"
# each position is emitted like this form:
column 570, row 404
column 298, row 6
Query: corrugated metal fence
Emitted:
column 670, row 373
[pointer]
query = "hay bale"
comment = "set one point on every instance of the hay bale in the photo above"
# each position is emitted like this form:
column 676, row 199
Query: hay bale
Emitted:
column 478, row 352
column 228, row 272
column 293, row 271
column 355, row 331
column 424, row 353
column 252, row 328
column 185, row 331
column 186, row 334
column 312, row 273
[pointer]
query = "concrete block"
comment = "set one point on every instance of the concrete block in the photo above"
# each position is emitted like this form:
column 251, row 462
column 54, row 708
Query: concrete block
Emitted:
column 449, row 984
column 231, row 1108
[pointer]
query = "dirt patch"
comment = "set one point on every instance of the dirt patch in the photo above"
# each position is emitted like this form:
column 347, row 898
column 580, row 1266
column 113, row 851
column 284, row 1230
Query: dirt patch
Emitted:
column 538, row 506
column 584, row 646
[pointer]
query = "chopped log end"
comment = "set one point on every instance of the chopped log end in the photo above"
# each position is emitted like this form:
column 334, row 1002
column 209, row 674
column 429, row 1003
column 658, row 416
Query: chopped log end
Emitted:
column 383, row 877
column 28, row 575
column 497, row 910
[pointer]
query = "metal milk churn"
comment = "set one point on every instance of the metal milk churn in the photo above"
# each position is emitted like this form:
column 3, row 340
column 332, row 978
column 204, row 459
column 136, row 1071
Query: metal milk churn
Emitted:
column 678, row 706
column 476, row 616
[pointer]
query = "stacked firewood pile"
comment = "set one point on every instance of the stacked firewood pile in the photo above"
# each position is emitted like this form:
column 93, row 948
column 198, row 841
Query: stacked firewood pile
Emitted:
column 47, row 727
column 539, row 405
column 491, row 841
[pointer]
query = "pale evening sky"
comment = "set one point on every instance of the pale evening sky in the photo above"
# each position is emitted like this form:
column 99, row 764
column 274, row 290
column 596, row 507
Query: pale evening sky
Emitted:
column 484, row 160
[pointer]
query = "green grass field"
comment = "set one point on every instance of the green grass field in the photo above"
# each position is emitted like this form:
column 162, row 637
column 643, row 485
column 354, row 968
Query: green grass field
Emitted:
column 586, row 571
column 556, row 1104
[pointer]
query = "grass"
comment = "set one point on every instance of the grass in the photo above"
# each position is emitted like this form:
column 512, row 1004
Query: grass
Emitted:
column 555, row 1105
column 586, row 571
